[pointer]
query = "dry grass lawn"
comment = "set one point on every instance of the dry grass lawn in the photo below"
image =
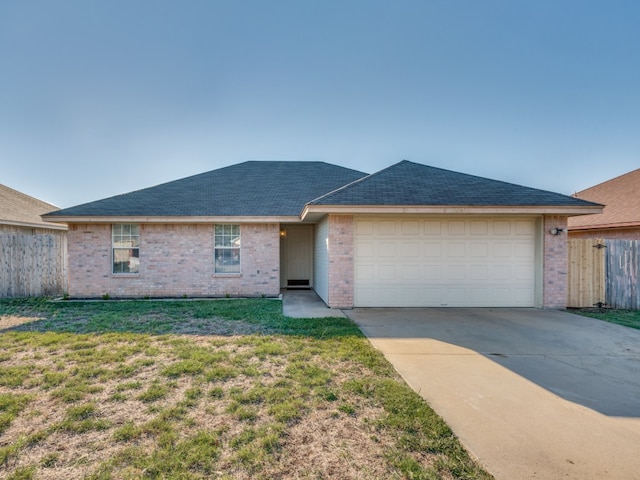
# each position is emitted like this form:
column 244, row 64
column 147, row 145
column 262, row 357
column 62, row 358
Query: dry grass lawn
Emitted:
column 207, row 389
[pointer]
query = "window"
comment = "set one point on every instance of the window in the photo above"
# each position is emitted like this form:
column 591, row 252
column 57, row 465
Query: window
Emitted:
column 227, row 248
column 126, row 248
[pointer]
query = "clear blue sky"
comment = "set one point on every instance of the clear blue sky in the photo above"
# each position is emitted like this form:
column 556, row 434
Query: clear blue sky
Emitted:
column 99, row 98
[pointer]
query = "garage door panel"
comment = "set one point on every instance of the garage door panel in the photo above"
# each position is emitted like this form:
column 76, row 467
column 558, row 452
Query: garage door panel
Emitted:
column 387, row 227
column 387, row 273
column 364, row 272
column 456, row 250
column 479, row 227
column 456, row 227
column 364, row 227
column 432, row 227
column 479, row 249
column 432, row 249
column 387, row 249
column 411, row 272
column 501, row 250
column 479, row 272
column 523, row 250
column 456, row 272
column 411, row 250
column 502, row 227
column 410, row 228
column 432, row 272
column 445, row 262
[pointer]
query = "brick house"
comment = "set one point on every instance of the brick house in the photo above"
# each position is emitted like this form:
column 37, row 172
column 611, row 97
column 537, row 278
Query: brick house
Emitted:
column 620, row 218
column 408, row 235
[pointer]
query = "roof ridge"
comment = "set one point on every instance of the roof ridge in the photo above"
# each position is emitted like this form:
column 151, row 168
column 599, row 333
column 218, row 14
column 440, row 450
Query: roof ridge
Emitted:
column 367, row 177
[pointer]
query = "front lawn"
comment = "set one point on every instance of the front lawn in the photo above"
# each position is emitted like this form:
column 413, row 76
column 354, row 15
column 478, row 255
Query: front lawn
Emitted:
column 627, row 318
column 225, row 389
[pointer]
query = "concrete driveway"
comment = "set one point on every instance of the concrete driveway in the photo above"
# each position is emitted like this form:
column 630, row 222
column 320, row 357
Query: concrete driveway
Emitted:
column 531, row 393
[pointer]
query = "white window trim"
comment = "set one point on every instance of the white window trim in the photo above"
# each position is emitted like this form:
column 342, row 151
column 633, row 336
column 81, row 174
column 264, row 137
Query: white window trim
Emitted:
column 114, row 248
column 238, row 248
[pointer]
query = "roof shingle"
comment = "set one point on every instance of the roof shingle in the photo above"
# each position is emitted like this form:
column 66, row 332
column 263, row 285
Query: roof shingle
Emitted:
column 621, row 197
column 408, row 183
column 253, row 188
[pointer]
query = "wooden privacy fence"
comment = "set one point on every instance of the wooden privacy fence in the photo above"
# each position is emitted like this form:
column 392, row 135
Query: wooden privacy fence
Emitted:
column 604, row 272
column 586, row 272
column 32, row 265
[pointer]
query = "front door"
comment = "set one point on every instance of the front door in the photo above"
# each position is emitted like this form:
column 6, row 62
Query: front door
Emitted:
column 297, row 252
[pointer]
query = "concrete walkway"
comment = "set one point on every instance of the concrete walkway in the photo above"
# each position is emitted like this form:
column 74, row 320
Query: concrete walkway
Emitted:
column 533, row 394
column 306, row 304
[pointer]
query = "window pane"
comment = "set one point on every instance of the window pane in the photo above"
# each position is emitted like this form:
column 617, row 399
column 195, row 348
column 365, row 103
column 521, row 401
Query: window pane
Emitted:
column 227, row 260
column 126, row 260
column 125, row 248
column 227, row 248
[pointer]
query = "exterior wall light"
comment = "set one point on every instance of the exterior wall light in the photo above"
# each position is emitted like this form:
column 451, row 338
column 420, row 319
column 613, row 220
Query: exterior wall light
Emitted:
column 556, row 231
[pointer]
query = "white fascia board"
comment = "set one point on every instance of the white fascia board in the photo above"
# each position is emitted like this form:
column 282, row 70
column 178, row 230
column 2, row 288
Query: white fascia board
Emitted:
column 176, row 219
column 34, row 225
column 450, row 210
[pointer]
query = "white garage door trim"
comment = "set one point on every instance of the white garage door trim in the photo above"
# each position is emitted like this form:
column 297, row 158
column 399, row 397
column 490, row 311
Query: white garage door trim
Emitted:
column 445, row 261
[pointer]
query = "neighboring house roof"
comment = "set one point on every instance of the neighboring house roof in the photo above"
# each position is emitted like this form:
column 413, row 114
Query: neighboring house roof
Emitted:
column 621, row 197
column 20, row 209
column 254, row 188
column 294, row 190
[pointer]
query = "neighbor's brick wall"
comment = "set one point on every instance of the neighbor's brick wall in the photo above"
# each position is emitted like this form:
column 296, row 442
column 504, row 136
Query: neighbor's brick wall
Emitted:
column 175, row 260
column 555, row 263
column 341, row 232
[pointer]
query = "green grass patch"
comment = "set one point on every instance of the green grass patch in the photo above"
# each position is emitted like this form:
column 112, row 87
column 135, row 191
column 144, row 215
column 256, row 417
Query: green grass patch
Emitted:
column 156, row 391
column 83, row 419
column 11, row 405
column 626, row 318
column 13, row 376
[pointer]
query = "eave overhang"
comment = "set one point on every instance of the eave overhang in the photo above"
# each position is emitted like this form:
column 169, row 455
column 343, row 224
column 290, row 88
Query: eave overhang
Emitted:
column 605, row 226
column 34, row 225
column 171, row 219
column 312, row 213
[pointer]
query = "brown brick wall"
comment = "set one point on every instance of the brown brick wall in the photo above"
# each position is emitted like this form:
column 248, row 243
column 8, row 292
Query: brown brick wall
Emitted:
column 341, row 231
column 175, row 260
column 555, row 263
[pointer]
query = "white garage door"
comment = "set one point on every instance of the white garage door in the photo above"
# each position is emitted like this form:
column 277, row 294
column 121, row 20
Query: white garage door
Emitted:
column 449, row 261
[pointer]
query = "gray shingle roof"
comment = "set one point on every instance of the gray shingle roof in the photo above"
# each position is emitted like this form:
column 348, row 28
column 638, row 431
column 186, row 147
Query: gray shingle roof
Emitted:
column 408, row 183
column 254, row 188
column 272, row 189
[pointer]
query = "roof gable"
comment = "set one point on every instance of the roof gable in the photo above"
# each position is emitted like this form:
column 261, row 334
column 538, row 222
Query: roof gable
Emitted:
column 413, row 184
column 253, row 188
column 17, row 208
column 621, row 197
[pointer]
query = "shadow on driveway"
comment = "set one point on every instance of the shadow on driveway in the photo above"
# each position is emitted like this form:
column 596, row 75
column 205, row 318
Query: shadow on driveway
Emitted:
column 583, row 360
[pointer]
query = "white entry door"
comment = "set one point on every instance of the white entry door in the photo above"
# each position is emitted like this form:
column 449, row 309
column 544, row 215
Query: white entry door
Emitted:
column 444, row 261
column 298, row 255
